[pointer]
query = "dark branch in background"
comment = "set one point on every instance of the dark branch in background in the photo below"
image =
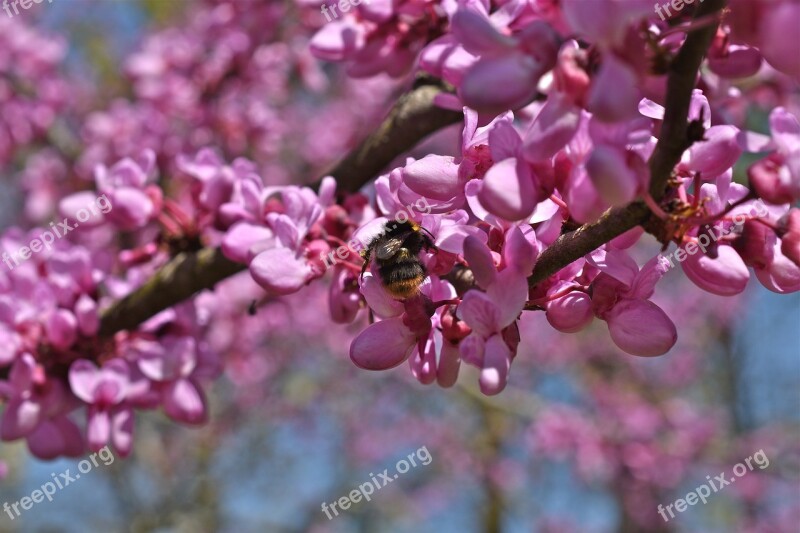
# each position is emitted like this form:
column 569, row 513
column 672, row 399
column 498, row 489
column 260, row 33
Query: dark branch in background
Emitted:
column 412, row 118
column 186, row 274
column 672, row 142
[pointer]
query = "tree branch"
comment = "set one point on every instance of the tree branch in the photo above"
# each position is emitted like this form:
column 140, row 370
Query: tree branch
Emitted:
column 672, row 142
column 412, row 118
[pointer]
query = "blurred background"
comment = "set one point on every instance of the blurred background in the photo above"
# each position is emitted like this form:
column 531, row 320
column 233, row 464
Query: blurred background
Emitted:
column 585, row 438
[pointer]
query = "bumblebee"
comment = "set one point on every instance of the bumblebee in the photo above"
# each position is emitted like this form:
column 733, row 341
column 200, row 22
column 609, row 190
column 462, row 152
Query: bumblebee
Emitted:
column 396, row 251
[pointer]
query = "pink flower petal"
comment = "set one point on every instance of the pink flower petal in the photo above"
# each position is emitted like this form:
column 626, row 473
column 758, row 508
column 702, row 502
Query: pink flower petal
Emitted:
column 509, row 293
column 20, row 417
column 480, row 261
column 185, row 402
column 280, row 270
column 382, row 345
column 480, row 313
column 614, row 93
column 244, row 241
column 779, row 37
column 132, row 208
column 640, row 327
column 98, row 428
column 782, row 275
column 496, row 364
column 381, row 302
column 338, row 39
column 608, row 169
column 497, row 84
column 738, row 62
column 724, row 275
column 122, row 431
column 717, row 153
column 449, row 365
column 54, row 438
column 87, row 316
column 508, row 190
column 423, row 366
column 83, row 377
column 519, row 252
column 552, row 129
column 62, row 329
column 433, row 176
column 477, row 35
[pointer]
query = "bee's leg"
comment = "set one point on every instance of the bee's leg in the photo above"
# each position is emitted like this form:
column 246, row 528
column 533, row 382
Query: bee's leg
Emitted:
column 366, row 254
column 429, row 245
column 371, row 316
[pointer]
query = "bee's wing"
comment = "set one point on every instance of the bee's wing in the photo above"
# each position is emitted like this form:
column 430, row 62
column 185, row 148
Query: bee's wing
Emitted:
column 388, row 248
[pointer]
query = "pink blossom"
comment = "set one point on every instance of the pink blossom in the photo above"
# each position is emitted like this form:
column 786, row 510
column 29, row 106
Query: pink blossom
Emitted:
column 174, row 366
column 776, row 178
column 621, row 295
column 35, row 409
column 492, row 315
column 518, row 63
column 105, row 391
column 126, row 184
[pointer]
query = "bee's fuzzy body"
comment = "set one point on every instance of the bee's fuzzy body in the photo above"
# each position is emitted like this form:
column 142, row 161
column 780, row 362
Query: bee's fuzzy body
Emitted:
column 396, row 253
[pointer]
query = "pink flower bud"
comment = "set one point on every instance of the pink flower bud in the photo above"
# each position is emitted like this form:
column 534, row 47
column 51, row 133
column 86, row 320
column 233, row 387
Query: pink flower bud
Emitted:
column 552, row 129
column 497, row 84
column 496, row 364
column 508, row 190
column 433, row 176
column 614, row 180
column 640, row 327
column 86, row 313
column 778, row 32
column 449, row 365
column 790, row 242
column 382, row 345
column 724, row 275
column 782, row 275
column 755, row 244
column 772, row 180
column 735, row 62
column 571, row 312
column 62, row 329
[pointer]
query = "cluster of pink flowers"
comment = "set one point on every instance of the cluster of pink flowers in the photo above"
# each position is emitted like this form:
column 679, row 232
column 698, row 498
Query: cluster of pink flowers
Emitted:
column 49, row 322
column 561, row 113
column 476, row 219
column 32, row 89
column 231, row 78
column 569, row 159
